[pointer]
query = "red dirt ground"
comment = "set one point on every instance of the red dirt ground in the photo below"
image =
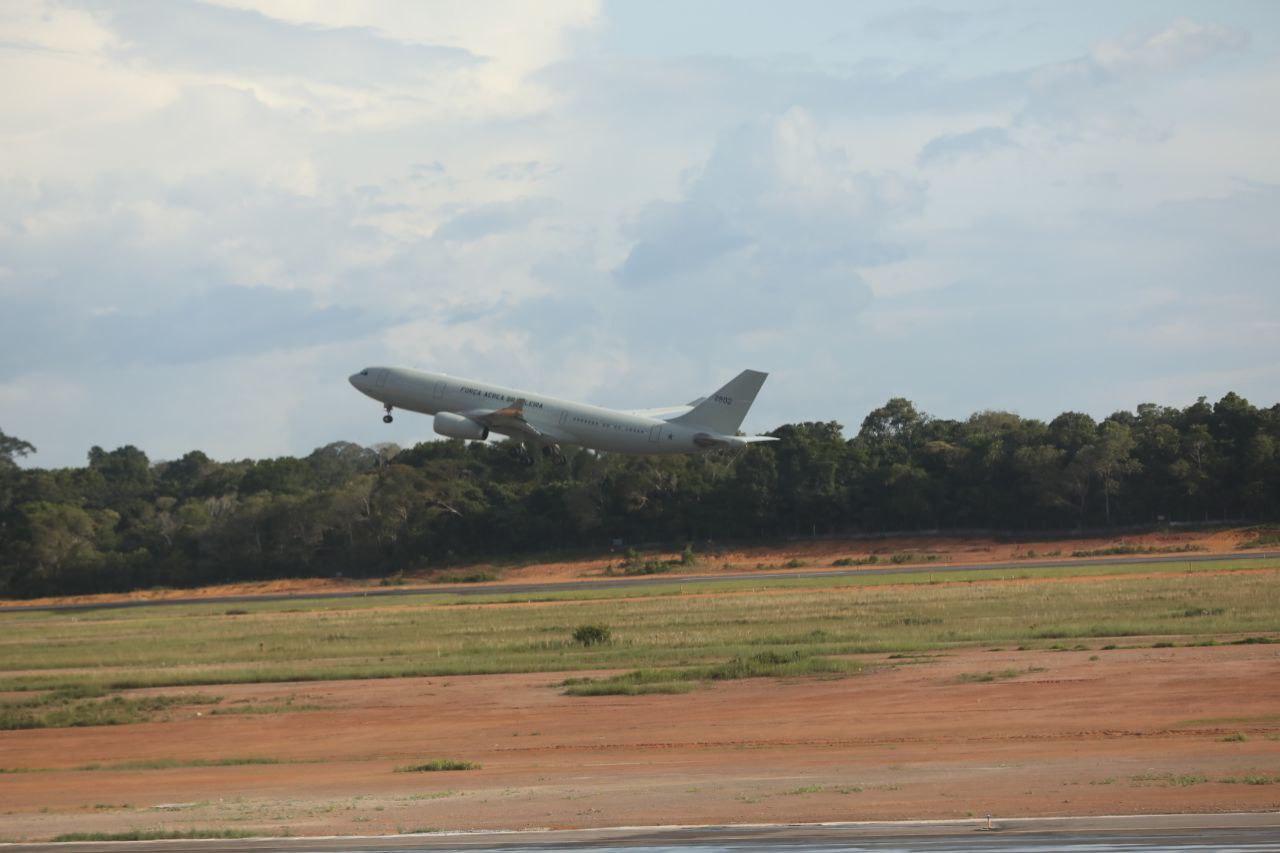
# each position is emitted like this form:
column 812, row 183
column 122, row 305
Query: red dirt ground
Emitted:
column 1117, row 731
column 946, row 550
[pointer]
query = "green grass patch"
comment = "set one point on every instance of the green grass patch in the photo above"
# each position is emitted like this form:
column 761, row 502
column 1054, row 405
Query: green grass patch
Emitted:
column 473, row 576
column 436, row 765
column 689, row 625
column 287, row 707
column 995, row 675
column 1263, row 537
column 769, row 664
column 1238, row 737
column 1123, row 550
column 1251, row 779
column 607, row 687
column 1169, row 780
column 54, row 711
column 173, row 763
column 161, row 834
column 904, row 557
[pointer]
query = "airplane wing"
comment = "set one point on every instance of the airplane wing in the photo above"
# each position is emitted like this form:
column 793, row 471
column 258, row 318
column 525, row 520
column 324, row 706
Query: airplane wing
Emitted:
column 510, row 421
column 707, row 439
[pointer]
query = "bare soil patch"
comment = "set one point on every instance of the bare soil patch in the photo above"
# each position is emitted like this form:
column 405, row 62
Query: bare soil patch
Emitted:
column 1134, row 730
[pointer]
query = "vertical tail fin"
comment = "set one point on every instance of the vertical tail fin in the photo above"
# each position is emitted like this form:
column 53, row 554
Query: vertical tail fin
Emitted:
column 723, row 411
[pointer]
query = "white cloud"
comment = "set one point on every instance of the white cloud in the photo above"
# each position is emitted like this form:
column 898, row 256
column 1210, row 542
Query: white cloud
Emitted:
column 1182, row 43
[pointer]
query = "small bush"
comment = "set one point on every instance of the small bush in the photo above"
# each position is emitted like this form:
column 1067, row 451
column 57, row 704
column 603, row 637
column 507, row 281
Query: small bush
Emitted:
column 1238, row 737
column 592, row 635
column 687, row 557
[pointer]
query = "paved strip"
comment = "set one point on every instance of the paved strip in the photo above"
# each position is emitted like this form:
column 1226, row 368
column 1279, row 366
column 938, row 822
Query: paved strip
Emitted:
column 649, row 580
column 1240, row 831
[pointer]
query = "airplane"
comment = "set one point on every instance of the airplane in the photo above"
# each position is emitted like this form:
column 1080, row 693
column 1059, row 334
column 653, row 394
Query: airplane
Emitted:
column 472, row 410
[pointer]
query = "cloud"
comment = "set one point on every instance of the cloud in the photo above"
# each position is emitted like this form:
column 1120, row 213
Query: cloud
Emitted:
column 202, row 37
column 1182, row 43
column 523, row 170
column 768, row 237
column 1102, row 92
column 677, row 238
column 953, row 146
column 488, row 219
column 214, row 323
column 922, row 22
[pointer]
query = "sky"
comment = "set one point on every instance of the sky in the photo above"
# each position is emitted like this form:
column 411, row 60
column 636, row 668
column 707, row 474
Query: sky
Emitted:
column 211, row 213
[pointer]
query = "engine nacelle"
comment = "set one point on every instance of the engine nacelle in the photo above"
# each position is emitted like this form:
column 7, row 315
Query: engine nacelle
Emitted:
column 456, row 426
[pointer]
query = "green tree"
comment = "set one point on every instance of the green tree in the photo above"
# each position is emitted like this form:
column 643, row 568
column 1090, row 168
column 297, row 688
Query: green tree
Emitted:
column 11, row 446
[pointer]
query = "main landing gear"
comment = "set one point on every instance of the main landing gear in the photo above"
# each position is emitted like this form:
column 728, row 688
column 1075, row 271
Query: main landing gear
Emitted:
column 386, row 419
column 549, row 451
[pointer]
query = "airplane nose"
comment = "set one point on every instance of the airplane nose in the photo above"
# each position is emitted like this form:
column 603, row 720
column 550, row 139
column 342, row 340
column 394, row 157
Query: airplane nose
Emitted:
column 355, row 379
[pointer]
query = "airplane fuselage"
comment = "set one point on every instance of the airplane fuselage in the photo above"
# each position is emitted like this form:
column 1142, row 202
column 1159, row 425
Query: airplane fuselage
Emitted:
column 557, row 421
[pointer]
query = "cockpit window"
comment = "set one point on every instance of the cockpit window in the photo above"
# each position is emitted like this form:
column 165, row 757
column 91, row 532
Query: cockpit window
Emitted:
column 364, row 372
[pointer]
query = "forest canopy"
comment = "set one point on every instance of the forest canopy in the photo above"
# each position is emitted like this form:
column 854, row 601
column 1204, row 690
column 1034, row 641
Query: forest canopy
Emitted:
column 124, row 522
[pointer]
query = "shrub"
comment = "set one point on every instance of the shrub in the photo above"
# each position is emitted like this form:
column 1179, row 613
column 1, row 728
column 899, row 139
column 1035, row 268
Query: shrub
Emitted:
column 592, row 635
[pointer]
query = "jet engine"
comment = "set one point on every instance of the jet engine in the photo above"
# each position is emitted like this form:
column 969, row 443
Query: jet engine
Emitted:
column 456, row 426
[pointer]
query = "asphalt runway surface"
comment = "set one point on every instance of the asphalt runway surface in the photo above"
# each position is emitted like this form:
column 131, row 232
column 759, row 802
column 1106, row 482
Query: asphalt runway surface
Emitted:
column 648, row 580
column 1246, row 832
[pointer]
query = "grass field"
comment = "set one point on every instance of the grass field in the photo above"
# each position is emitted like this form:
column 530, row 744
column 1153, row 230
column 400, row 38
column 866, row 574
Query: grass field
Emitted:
column 673, row 632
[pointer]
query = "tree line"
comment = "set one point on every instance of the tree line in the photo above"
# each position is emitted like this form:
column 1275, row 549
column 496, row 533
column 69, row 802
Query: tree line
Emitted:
column 124, row 522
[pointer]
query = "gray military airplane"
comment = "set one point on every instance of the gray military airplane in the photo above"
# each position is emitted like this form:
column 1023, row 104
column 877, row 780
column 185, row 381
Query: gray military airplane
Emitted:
column 472, row 410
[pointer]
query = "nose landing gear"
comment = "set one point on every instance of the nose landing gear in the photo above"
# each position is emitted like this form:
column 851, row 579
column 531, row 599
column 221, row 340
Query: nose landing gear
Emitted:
column 386, row 419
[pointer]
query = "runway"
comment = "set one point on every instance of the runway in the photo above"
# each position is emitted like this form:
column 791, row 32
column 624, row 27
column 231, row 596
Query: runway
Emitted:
column 1110, row 834
column 649, row 580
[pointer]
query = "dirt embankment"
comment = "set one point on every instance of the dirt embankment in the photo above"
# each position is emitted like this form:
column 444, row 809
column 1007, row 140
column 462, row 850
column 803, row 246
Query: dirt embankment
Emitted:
column 1135, row 730
column 792, row 556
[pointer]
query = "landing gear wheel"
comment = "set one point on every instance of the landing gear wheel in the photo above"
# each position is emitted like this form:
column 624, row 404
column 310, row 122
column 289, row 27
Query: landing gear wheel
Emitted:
column 386, row 419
